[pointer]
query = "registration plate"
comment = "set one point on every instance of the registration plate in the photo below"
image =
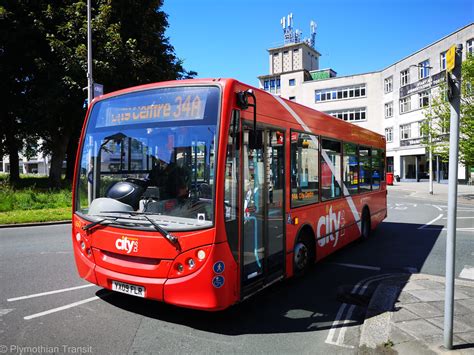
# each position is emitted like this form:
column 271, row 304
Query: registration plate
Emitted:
column 133, row 290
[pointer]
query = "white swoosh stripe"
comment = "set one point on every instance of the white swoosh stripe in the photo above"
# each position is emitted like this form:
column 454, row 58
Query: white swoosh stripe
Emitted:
column 328, row 161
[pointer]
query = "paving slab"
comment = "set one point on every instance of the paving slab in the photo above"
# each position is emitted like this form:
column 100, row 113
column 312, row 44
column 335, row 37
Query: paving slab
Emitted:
column 403, row 314
column 424, row 310
column 458, row 325
column 435, row 295
column 460, row 306
column 420, row 328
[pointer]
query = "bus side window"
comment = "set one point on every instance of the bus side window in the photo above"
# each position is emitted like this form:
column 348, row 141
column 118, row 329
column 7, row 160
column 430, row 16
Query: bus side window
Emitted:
column 231, row 185
column 351, row 168
column 365, row 171
column 330, row 169
column 376, row 169
column 304, row 169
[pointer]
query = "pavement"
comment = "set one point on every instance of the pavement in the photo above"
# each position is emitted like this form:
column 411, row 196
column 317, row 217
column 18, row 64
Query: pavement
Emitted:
column 406, row 313
column 440, row 191
column 406, row 316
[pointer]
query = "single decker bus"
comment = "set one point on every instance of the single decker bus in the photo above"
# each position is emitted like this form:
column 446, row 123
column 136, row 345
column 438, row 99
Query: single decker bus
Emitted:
column 200, row 193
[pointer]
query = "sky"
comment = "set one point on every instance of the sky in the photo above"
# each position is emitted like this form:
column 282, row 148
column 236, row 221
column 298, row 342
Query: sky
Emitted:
column 230, row 38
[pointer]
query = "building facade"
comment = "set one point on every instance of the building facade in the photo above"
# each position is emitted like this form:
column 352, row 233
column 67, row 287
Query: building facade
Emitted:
column 392, row 101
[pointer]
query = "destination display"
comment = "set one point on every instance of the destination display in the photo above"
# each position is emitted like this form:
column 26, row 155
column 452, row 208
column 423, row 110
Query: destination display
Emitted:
column 162, row 105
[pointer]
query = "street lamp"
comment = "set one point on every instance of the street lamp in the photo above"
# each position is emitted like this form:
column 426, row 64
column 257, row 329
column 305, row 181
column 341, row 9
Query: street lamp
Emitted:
column 90, row 81
column 430, row 150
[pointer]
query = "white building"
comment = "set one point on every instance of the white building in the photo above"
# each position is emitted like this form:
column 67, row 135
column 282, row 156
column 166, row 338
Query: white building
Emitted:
column 38, row 165
column 390, row 101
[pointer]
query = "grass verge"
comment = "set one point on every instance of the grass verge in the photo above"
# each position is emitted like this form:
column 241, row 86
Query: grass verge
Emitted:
column 40, row 215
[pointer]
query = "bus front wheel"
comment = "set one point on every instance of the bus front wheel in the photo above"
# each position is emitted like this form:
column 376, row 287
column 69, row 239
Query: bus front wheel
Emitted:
column 303, row 255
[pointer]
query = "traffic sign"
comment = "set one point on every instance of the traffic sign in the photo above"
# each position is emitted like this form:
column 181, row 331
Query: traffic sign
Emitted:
column 98, row 89
column 450, row 59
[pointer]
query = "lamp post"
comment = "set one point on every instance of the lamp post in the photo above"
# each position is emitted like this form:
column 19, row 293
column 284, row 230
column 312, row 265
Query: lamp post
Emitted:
column 90, row 81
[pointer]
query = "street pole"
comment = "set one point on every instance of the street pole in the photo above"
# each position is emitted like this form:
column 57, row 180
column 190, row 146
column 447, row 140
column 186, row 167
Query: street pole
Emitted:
column 90, row 82
column 455, row 100
column 430, row 152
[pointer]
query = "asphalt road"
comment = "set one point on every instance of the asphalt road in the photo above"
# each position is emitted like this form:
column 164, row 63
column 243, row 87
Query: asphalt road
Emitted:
column 299, row 315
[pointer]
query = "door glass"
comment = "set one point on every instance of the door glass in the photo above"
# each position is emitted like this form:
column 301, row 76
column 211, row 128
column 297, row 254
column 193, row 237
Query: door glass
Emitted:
column 275, row 183
column 253, row 194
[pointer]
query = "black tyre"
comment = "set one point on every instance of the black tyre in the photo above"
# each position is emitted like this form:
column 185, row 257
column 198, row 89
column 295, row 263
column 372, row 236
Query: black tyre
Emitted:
column 365, row 228
column 303, row 255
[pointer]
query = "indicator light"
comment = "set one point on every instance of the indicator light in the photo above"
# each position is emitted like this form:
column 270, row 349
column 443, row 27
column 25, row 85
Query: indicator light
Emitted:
column 78, row 237
column 89, row 252
column 83, row 245
column 180, row 267
column 191, row 263
column 201, row 254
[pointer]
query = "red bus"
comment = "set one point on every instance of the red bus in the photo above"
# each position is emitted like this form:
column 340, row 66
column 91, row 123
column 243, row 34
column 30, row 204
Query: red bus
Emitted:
column 200, row 193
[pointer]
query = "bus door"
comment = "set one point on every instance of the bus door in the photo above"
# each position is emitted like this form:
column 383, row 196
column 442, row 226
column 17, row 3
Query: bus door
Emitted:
column 263, row 236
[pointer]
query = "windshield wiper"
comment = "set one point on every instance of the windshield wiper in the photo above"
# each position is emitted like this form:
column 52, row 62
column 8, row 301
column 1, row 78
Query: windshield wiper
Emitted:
column 96, row 223
column 168, row 236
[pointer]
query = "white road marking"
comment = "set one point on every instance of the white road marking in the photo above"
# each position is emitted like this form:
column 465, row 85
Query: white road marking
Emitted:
column 357, row 266
column 62, row 308
column 460, row 217
column 359, row 289
column 431, row 222
column 5, row 311
column 467, row 273
column 49, row 293
column 437, row 207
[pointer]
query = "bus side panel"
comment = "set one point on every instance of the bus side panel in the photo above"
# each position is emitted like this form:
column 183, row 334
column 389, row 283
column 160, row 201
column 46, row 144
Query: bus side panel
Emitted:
column 213, row 287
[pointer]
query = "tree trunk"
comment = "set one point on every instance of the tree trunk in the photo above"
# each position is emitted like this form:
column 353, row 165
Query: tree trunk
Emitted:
column 71, row 158
column 12, row 148
column 57, row 159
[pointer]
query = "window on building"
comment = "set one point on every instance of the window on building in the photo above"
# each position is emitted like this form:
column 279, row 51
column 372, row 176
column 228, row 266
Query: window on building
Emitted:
column 405, row 131
column 404, row 77
column 470, row 46
column 424, row 99
column 389, row 109
column 304, row 169
column 330, row 169
column 388, row 84
column 442, row 61
column 278, row 85
column 405, row 104
column 365, row 173
column 291, row 82
column 351, row 168
column 292, row 98
column 424, row 69
column 389, row 134
column 266, row 84
column 340, row 93
column 354, row 114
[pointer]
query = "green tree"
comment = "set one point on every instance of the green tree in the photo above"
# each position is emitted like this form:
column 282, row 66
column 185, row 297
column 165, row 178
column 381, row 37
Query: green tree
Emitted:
column 129, row 48
column 438, row 115
column 18, row 51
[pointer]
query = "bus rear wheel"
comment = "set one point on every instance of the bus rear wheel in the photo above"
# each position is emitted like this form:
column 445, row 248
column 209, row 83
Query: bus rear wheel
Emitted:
column 365, row 228
column 303, row 255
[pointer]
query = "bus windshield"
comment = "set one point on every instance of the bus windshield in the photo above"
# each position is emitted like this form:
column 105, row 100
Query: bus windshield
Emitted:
column 153, row 153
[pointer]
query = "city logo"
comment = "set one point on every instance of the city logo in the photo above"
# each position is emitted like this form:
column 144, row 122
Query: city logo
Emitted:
column 329, row 225
column 127, row 244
